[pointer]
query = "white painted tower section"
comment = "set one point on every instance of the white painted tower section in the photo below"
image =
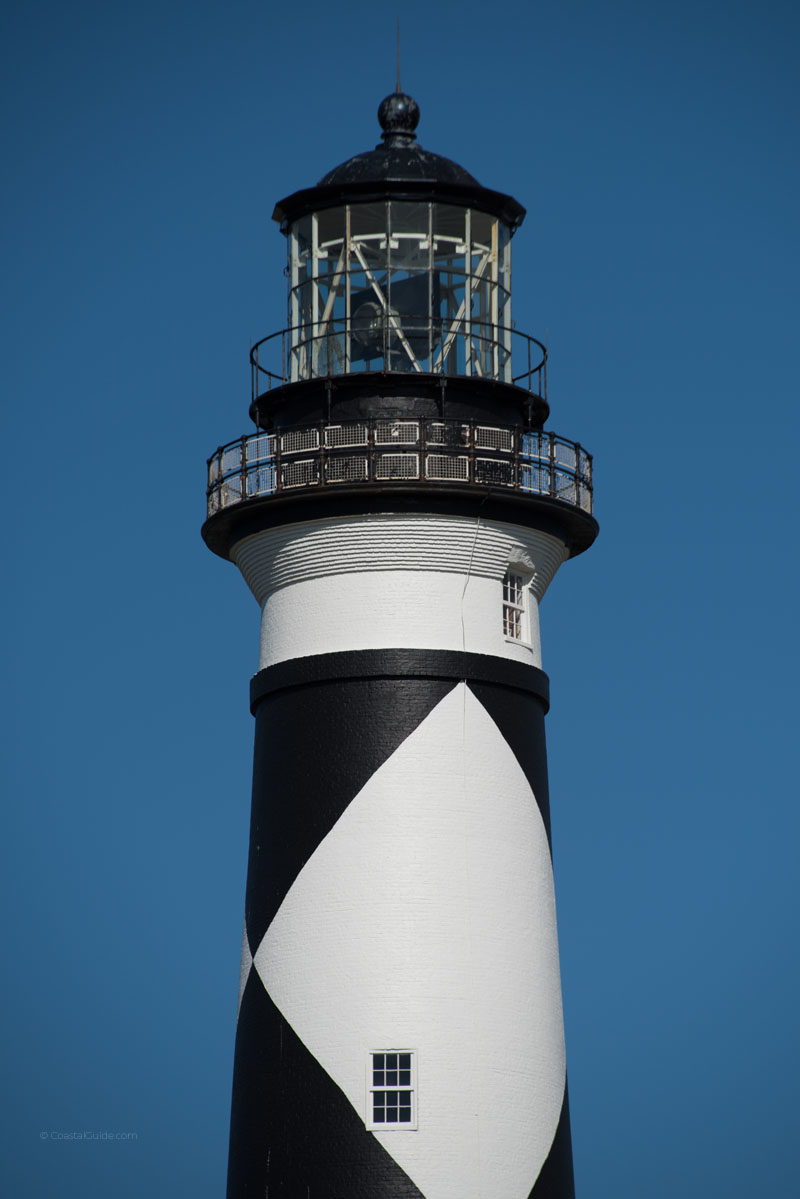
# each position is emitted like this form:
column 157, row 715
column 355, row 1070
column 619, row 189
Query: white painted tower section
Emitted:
column 395, row 582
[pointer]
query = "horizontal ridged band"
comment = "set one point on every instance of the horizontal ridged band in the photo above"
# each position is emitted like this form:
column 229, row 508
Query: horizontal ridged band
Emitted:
column 289, row 554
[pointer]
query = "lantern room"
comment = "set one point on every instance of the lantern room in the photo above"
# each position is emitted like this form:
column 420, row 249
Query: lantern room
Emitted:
column 399, row 262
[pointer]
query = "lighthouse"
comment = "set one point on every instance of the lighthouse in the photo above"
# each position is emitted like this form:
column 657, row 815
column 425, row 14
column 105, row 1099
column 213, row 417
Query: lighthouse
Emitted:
column 398, row 514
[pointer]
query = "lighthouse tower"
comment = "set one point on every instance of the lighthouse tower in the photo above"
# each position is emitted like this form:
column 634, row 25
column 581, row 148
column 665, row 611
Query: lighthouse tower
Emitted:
column 398, row 515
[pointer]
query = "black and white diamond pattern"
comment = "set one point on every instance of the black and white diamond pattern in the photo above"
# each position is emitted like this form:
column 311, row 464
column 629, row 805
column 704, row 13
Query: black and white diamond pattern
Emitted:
column 351, row 958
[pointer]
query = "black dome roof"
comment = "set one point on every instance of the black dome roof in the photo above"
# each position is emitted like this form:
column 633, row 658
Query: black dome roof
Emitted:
column 398, row 169
column 400, row 164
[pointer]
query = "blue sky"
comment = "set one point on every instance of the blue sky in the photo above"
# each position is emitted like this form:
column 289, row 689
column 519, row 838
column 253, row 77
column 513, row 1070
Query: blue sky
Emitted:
column 654, row 146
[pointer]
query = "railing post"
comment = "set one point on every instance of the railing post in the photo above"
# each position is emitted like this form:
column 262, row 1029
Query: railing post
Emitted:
column 209, row 484
column 243, row 465
column 371, row 450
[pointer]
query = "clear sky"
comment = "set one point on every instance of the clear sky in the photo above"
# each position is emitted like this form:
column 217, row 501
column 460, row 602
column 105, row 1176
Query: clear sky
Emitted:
column 655, row 147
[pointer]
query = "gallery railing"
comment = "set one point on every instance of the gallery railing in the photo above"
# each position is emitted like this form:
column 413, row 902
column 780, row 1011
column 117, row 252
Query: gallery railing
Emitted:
column 391, row 341
column 380, row 452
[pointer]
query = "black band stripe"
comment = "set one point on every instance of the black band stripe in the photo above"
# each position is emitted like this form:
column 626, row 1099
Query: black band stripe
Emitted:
column 400, row 664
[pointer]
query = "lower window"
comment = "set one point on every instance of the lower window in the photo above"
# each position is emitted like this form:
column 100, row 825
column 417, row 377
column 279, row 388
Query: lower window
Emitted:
column 391, row 1089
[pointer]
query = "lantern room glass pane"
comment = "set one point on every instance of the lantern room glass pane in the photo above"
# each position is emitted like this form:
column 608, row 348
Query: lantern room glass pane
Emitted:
column 368, row 220
column 410, row 286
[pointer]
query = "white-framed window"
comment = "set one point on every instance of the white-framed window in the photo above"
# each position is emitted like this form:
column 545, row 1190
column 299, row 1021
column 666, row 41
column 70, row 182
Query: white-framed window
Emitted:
column 515, row 606
column 391, row 1090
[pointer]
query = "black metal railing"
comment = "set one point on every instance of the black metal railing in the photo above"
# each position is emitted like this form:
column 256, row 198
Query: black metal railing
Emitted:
column 379, row 451
column 391, row 341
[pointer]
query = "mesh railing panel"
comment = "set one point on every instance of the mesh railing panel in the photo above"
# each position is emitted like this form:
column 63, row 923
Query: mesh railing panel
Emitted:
column 535, row 479
column 487, row 438
column 300, row 474
column 231, row 459
column 564, row 487
column 441, row 466
column 347, row 470
column 263, row 481
column 346, row 435
column 490, row 470
column 534, row 445
column 230, row 492
column 442, row 433
column 260, row 447
column 397, row 466
column 298, row 440
column 396, row 432
column 563, row 454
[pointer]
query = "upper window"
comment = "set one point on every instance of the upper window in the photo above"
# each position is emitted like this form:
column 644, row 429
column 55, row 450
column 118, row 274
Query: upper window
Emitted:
column 392, row 1090
column 514, row 607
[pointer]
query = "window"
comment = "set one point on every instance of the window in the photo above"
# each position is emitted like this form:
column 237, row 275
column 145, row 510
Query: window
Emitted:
column 514, row 607
column 391, row 1090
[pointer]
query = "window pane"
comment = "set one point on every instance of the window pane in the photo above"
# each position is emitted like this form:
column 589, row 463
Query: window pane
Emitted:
column 449, row 221
column 367, row 218
column 330, row 227
column 482, row 229
column 409, row 218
